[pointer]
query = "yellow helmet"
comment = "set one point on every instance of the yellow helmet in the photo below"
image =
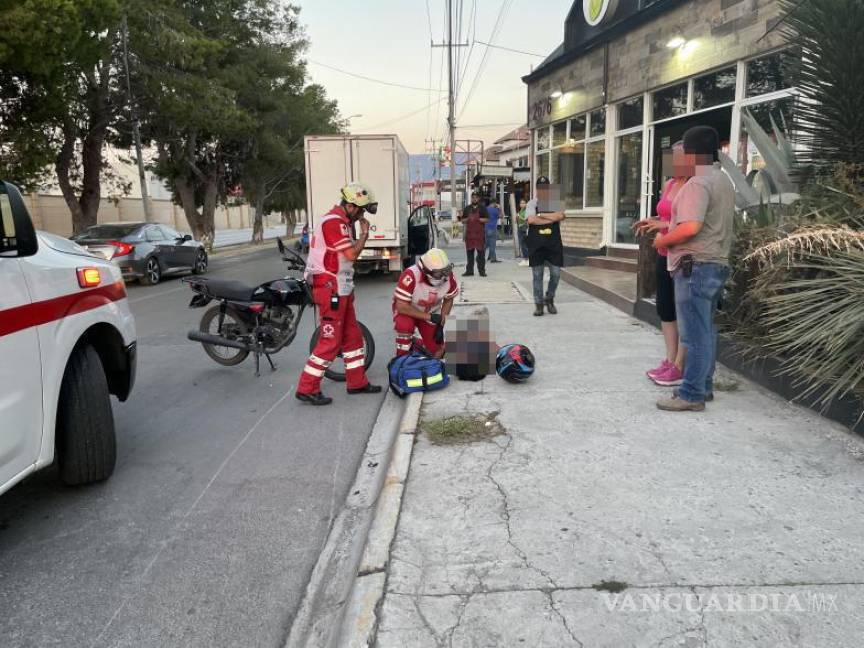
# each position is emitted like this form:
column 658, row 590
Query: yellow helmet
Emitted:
column 436, row 266
column 359, row 194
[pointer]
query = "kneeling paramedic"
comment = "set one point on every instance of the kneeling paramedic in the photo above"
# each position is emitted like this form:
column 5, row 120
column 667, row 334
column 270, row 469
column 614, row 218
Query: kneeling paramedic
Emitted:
column 423, row 298
column 330, row 272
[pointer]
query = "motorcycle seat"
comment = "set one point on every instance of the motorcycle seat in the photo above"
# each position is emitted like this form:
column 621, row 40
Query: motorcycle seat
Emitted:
column 230, row 289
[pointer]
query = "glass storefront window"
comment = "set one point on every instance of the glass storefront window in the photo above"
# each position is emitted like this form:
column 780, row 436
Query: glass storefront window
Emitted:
column 595, row 154
column 542, row 139
column 630, row 113
column 577, row 128
column 780, row 110
column 568, row 164
column 670, row 102
column 629, row 193
column 598, row 122
column 769, row 73
column 559, row 133
column 714, row 89
column 542, row 165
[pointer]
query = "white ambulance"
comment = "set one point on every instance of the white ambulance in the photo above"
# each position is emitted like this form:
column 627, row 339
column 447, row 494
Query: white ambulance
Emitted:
column 67, row 341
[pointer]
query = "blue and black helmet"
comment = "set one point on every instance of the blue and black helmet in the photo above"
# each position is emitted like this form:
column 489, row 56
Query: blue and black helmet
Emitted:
column 515, row 363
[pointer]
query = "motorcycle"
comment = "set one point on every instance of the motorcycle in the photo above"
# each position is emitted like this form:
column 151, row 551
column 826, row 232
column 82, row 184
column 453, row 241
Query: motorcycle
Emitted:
column 262, row 319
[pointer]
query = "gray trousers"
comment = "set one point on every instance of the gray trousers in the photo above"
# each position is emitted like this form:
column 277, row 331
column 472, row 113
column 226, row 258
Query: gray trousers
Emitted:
column 554, row 278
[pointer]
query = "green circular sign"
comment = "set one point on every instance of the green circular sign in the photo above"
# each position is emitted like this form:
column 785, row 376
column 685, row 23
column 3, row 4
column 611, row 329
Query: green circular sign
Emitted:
column 596, row 10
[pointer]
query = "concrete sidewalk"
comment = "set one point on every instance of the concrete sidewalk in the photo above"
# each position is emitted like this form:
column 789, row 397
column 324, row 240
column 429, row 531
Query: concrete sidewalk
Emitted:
column 590, row 518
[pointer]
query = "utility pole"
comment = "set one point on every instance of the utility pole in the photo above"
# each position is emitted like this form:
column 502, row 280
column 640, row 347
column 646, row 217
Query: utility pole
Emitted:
column 451, row 118
column 136, row 133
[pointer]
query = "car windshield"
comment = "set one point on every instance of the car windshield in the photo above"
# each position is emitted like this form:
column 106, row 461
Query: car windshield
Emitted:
column 106, row 232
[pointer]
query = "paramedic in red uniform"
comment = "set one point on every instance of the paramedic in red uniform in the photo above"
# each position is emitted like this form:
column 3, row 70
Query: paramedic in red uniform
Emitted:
column 330, row 272
column 423, row 298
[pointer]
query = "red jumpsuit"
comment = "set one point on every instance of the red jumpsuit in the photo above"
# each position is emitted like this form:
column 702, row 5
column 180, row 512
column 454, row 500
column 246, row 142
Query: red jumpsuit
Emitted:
column 331, row 274
column 414, row 287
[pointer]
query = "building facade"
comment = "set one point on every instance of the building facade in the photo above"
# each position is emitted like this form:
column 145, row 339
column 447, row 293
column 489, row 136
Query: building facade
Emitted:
column 629, row 79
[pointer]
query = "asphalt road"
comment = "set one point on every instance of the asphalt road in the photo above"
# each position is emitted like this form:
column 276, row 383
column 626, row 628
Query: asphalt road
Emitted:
column 222, row 497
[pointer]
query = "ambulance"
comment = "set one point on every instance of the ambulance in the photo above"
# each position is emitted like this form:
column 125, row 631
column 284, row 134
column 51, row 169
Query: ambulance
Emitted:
column 67, row 342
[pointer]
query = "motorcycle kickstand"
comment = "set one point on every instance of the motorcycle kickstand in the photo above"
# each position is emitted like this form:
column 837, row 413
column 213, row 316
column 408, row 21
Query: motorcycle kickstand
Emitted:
column 257, row 364
column 270, row 360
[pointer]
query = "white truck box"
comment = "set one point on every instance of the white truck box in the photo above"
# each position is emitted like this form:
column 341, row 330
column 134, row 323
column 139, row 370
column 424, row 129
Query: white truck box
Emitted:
column 381, row 163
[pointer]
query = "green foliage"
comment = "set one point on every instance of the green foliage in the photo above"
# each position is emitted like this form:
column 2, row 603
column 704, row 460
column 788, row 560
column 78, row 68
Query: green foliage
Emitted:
column 814, row 317
column 56, row 87
column 829, row 120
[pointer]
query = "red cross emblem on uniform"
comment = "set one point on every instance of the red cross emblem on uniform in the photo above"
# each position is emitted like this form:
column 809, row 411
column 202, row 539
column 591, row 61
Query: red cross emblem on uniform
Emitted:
column 427, row 304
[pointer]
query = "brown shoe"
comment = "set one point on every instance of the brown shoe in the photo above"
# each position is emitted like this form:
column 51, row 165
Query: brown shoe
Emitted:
column 676, row 404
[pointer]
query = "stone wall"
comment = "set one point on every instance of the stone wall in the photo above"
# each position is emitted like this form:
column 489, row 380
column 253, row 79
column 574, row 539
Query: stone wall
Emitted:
column 50, row 213
column 719, row 32
column 582, row 80
column 582, row 232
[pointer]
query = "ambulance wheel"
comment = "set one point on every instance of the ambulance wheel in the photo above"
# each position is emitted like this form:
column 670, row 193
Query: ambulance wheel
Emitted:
column 86, row 444
column 337, row 369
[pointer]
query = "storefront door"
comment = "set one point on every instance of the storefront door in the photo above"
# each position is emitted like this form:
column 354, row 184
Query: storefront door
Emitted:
column 665, row 134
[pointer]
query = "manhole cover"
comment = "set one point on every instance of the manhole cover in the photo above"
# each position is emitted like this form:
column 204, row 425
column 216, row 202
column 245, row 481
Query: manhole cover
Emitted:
column 479, row 290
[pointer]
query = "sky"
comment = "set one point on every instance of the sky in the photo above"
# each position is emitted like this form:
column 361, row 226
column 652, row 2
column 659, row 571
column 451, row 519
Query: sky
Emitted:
column 389, row 40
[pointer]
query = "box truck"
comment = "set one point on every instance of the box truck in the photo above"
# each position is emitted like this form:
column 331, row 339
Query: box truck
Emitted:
column 397, row 233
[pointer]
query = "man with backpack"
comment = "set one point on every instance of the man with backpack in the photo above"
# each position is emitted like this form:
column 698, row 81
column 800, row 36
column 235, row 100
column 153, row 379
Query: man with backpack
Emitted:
column 422, row 301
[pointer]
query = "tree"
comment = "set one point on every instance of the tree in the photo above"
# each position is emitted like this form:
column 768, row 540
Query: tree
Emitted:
column 60, row 95
column 272, row 176
column 829, row 77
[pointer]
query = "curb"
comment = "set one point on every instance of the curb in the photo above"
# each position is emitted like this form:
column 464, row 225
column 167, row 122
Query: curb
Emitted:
column 350, row 570
column 360, row 622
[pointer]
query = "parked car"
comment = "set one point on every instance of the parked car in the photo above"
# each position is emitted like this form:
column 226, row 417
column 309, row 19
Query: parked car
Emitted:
column 145, row 251
column 67, row 342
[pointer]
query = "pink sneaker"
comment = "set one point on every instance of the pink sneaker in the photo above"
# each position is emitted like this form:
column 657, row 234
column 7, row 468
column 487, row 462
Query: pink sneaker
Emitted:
column 669, row 378
column 659, row 369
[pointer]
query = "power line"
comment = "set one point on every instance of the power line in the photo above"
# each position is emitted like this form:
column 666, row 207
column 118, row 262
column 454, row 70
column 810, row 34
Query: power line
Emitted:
column 403, row 117
column 510, row 49
column 491, row 125
column 505, row 6
column 366, row 78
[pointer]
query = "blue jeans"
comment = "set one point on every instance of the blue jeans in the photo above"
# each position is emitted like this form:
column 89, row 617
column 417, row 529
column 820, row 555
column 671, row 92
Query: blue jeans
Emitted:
column 696, row 299
column 491, row 243
column 554, row 278
column 523, row 241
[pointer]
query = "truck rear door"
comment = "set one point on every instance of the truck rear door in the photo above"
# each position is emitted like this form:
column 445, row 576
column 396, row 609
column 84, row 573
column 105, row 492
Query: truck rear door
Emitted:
column 20, row 360
column 375, row 166
column 327, row 170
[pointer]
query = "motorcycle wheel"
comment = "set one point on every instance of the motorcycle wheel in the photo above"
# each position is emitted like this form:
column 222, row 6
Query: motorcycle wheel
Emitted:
column 337, row 369
column 232, row 328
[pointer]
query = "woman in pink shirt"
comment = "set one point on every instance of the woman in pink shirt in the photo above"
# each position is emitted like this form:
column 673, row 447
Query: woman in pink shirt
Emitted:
column 670, row 370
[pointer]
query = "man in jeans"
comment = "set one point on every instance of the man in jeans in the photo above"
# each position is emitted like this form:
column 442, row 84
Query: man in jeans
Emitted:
column 492, row 231
column 699, row 241
column 545, row 249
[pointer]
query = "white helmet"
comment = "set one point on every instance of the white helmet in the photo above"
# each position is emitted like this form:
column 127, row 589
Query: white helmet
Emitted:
column 435, row 266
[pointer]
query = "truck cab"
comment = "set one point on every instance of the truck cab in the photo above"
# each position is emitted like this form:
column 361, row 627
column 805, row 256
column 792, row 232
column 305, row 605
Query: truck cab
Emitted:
column 67, row 342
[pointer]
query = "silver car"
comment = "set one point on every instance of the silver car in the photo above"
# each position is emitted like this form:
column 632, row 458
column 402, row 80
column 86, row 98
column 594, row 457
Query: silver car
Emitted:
column 144, row 251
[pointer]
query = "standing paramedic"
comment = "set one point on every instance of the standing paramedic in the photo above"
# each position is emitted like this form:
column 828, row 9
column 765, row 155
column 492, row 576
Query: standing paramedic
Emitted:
column 330, row 272
column 423, row 298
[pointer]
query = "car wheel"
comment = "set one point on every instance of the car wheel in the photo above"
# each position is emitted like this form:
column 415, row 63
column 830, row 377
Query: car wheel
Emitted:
column 86, row 445
column 152, row 272
column 200, row 262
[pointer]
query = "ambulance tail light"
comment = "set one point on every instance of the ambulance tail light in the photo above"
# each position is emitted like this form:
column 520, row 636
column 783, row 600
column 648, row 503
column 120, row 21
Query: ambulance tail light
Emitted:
column 120, row 248
column 89, row 277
